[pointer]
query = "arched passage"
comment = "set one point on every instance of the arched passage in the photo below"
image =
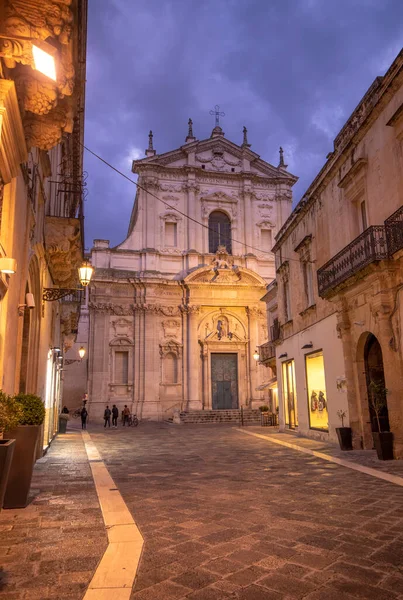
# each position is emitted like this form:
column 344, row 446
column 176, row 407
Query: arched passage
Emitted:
column 375, row 380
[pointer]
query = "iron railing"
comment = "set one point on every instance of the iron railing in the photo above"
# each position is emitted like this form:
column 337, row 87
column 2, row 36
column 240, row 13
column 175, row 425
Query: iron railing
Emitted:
column 267, row 351
column 367, row 248
column 394, row 231
column 275, row 331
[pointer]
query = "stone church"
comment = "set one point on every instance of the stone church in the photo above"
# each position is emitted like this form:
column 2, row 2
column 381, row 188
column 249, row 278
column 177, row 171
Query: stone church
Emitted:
column 175, row 309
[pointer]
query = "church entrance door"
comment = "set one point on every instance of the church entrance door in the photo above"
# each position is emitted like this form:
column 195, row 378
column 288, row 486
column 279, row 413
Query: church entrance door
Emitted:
column 224, row 381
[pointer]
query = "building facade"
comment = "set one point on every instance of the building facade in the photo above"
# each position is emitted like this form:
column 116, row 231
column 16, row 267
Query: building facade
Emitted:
column 41, row 226
column 339, row 275
column 175, row 311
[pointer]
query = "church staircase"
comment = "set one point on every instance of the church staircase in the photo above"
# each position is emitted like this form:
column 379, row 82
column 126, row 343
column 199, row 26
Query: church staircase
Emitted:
column 231, row 417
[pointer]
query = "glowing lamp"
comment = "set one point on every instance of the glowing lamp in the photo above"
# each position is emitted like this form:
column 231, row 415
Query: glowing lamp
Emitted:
column 85, row 273
column 44, row 62
column 81, row 352
column 8, row 265
column 256, row 355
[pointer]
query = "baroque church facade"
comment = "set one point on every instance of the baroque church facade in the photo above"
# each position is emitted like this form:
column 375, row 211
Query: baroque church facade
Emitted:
column 175, row 311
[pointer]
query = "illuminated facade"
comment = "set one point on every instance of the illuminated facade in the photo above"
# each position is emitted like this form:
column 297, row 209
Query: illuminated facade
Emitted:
column 339, row 271
column 41, row 127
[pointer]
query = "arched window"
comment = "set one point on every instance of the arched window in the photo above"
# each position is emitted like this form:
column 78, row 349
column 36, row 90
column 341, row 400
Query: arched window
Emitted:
column 170, row 368
column 219, row 232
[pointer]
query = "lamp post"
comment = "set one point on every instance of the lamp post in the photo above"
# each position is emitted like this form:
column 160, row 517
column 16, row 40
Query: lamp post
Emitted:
column 85, row 272
column 81, row 353
column 256, row 355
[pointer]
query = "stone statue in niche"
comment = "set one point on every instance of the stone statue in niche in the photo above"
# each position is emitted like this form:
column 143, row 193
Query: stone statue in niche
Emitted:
column 222, row 260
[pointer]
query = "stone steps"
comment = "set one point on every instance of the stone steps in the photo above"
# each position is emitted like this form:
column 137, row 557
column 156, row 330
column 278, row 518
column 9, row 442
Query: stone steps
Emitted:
column 221, row 416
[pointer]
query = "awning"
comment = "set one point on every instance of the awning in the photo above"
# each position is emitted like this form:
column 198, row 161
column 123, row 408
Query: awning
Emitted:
column 266, row 385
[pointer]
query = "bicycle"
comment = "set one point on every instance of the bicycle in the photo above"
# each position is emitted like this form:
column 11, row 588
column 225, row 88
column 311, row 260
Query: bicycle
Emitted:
column 132, row 420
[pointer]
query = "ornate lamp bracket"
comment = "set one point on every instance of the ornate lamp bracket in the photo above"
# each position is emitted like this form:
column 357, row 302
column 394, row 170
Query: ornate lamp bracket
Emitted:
column 52, row 294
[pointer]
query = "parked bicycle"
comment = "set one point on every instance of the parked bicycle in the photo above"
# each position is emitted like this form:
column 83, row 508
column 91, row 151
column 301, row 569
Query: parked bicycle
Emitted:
column 132, row 420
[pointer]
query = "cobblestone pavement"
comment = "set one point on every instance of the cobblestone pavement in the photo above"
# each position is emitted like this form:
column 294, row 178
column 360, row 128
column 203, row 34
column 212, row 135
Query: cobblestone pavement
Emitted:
column 225, row 515
column 49, row 550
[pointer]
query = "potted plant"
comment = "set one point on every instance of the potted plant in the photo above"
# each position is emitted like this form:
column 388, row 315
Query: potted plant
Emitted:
column 9, row 416
column 264, row 414
column 383, row 440
column 344, row 434
column 63, row 418
column 30, row 418
column 264, row 408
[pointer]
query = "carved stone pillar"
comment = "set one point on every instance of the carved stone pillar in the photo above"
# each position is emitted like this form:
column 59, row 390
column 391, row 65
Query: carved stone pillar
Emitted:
column 194, row 361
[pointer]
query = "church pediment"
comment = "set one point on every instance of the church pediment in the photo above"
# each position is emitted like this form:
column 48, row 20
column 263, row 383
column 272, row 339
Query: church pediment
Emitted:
column 224, row 276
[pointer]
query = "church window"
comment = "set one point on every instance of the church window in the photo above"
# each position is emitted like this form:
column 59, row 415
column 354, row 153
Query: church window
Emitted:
column 170, row 368
column 219, row 232
column 266, row 240
column 171, row 234
column 203, row 166
column 122, row 367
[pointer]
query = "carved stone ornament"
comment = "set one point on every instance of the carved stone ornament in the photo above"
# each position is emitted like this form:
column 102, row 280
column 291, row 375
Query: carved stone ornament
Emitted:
column 218, row 161
column 255, row 312
column 122, row 327
column 112, row 309
column 222, row 327
column 63, row 250
column 171, row 347
column 171, row 328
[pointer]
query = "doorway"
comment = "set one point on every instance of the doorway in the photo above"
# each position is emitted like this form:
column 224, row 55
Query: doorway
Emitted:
column 224, row 381
column 374, row 373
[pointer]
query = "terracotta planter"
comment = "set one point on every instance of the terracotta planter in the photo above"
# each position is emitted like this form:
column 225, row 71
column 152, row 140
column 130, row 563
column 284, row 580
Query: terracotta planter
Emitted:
column 22, row 465
column 6, row 455
column 383, row 443
column 345, row 438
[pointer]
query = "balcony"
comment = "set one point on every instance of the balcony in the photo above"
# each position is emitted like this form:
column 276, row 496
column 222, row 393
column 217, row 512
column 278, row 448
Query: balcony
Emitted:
column 267, row 352
column 367, row 248
column 275, row 331
column 394, row 231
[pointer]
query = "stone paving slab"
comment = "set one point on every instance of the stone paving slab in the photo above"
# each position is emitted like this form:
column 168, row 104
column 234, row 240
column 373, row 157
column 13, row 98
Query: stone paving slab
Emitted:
column 226, row 515
column 50, row 550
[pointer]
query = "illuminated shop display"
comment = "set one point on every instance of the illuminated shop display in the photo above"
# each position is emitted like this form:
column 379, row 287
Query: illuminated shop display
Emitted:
column 316, row 387
column 290, row 394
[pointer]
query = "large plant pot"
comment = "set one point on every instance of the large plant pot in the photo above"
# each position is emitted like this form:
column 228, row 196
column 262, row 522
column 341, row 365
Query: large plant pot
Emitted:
column 22, row 465
column 6, row 455
column 345, row 438
column 62, row 424
column 383, row 443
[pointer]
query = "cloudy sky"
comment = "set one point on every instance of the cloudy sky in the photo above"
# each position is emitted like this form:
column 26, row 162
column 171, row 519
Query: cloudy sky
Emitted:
column 292, row 71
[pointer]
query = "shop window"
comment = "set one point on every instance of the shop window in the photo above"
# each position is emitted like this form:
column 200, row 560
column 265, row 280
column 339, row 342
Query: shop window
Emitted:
column 171, row 234
column 122, row 368
column 266, row 240
column 289, row 394
column 170, row 368
column 316, row 387
column 219, row 232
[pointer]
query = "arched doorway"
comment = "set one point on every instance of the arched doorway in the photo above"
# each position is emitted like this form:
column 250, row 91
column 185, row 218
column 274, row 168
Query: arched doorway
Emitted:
column 374, row 373
column 219, row 232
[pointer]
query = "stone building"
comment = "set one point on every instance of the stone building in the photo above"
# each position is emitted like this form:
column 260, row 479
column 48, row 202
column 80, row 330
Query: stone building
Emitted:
column 340, row 274
column 175, row 311
column 41, row 227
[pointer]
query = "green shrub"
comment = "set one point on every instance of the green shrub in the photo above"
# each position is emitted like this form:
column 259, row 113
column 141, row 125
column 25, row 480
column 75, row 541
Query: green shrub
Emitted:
column 264, row 408
column 10, row 412
column 32, row 409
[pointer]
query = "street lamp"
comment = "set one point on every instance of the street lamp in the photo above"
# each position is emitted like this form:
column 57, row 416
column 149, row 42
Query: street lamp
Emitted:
column 85, row 272
column 256, row 355
column 81, row 352
column 39, row 54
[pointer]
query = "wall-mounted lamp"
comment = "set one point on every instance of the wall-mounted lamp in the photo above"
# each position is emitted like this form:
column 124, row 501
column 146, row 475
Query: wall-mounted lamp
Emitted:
column 29, row 303
column 37, row 53
column 85, row 272
column 284, row 355
column 310, row 345
column 256, row 355
column 8, row 265
column 81, row 353
column 56, row 349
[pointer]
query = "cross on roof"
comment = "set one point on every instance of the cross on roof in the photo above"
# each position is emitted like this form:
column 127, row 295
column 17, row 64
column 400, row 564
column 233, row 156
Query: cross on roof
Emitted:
column 216, row 112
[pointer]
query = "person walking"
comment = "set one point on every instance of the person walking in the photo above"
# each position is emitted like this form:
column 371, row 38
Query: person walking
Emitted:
column 115, row 414
column 126, row 414
column 107, row 416
column 65, row 410
column 84, row 415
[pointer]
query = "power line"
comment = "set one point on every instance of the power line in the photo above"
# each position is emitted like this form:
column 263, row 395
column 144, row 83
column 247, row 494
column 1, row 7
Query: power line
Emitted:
column 172, row 207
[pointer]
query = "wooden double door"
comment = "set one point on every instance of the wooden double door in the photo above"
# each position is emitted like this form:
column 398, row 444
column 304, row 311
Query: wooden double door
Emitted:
column 224, row 381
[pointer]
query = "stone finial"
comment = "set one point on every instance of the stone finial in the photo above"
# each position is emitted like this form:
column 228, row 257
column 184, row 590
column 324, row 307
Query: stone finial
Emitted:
column 150, row 150
column 190, row 137
column 245, row 143
column 282, row 164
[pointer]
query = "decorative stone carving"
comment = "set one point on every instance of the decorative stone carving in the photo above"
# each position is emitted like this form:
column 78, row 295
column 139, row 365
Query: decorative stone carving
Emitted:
column 171, row 347
column 110, row 308
column 222, row 327
column 122, row 327
column 63, row 249
column 218, row 161
column 171, row 328
column 255, row 312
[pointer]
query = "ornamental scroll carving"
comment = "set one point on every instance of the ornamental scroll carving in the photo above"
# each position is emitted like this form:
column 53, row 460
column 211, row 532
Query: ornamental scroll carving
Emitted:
column 112, row 309
column 171, row 328
column 171, row 347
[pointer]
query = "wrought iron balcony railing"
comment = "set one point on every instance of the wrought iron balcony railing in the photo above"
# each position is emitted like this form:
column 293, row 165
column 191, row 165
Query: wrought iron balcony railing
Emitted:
column 367, row 248
column 394, row 231
column 267, row 351
column 275, row 331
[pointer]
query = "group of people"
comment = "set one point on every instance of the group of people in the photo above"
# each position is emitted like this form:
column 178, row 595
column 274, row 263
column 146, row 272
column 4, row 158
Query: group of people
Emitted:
column 115, row 413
